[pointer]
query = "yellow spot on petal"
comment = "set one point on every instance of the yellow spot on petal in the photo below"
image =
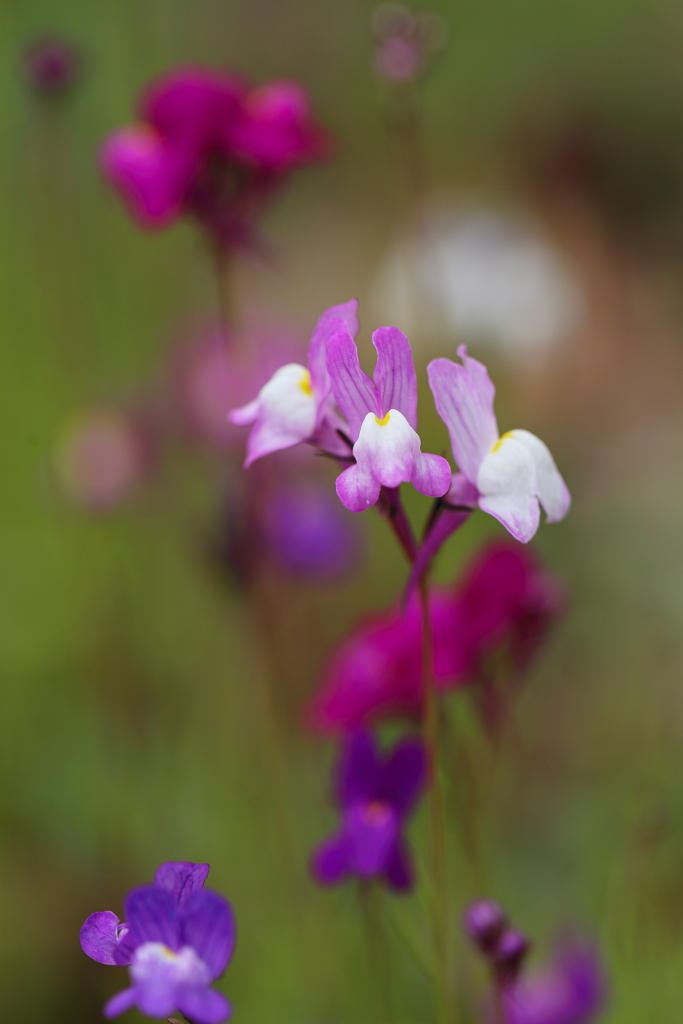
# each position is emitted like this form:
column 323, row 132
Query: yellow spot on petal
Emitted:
column 377, row 813
column 382, row 423
column 500, row 440
column 306, row 384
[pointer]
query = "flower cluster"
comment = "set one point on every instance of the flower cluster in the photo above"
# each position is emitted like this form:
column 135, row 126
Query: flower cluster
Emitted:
column 210, row 146
column 504, row 601
column 508, row 476
column 571, row 990
column 177, row 939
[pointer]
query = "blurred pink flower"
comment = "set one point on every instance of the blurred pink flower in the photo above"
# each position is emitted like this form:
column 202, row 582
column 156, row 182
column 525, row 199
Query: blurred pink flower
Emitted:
column 210, row 147
column 504, row 601
column 101, row 459
column 404, row 41
column 214, row 375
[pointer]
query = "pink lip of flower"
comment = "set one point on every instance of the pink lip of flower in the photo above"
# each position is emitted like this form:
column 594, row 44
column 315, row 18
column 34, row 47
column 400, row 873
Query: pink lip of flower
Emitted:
column 382, row 418
column 294, row 404
column 277, row 131
column 505, row 476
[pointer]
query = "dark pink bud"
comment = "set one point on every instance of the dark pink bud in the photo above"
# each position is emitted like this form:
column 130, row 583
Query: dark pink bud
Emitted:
column 509, row 953
column 51, row 65
column 484, row 922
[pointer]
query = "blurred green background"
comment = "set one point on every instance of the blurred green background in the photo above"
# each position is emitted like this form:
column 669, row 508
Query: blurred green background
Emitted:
column 129, row 719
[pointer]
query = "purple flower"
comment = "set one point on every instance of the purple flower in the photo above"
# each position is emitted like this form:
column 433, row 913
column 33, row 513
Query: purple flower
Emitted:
column 404, row 41
column 375, row 792
column 505, row 476
column 208, row 146
column 177, row 939
column 572, row 990
column 295, row 404
column 382, row 419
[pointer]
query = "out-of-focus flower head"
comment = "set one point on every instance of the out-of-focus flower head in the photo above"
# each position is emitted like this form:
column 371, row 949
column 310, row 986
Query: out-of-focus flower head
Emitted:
column 178, row 938
column 214, row 373
column 51, row 65
column 504, row 602
column 404, row 41
column 572, row 989
column 290, row 521
column 375, row 792
column 209, row 146
column 508, row 476
column 102, row 458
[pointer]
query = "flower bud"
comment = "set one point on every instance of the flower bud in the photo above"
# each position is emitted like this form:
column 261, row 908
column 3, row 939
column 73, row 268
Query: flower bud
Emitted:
column 484, row 922
column 51, row 65
column 508, row 954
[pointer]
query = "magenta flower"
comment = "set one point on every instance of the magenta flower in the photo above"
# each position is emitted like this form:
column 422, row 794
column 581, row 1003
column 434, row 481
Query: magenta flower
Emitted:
column 208, row 146
column 376, row 793
column 382, row 419
column 177, row 939
column 295, row 404
column 571, row 990
column 505, row 476
column 504, row 600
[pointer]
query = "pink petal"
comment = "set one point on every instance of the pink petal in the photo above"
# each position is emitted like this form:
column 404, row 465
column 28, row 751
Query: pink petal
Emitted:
column 395, row 373
column 464, row 400
column 354, row 392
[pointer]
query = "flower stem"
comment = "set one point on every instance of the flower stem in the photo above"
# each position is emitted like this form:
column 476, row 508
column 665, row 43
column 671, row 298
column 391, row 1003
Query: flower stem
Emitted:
column 391, row 507
column 226, row 305
column 499, row 1014
column 436, row 814
column 371, row 905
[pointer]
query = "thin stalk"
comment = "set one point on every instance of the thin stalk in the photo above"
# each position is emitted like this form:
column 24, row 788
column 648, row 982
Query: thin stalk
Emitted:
column 391, row 507
column 262, row 649
column 436, row 816
column 378, row 961
column 499, row 1014
column 223, row 269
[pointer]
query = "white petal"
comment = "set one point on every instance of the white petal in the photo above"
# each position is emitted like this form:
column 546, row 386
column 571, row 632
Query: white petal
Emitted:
column 507, row 487
column 288, row 401
column 387, row 449
column 550, row 487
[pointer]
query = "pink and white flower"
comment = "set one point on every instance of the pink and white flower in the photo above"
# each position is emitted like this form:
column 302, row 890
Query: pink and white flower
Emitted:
column 382, row 419
column 295, row 404
column 506, row 476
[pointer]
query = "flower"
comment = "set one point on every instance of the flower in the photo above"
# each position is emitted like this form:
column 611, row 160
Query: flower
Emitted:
column 295, row 405
column 102, row 458
column 177, row 939
column 375, row 794
column 404, row 40
column 208, row 145
column 571, row 990
column 505, row 476
column 51, row 65
column 382, row 419
column 503, row 601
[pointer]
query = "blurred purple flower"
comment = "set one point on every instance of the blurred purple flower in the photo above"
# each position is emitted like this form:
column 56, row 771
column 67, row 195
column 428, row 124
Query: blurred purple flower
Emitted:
column 177, row 939
column 51, row 65
column 382, row 418
column 404, row 40
column 209, row 146
column 102, row 458
column 484, row 922
column 295, row 405
column 309, row 534
column 375, row 793
column 504, row 601
column 505, row 476
column 572, row 990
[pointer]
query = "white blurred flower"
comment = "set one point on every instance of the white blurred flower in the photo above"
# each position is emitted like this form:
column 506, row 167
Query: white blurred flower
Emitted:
column 482, row 277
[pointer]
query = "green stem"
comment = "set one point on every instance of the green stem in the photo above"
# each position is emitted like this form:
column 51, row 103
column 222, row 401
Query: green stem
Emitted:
column 436, row 816
column 370, row 900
